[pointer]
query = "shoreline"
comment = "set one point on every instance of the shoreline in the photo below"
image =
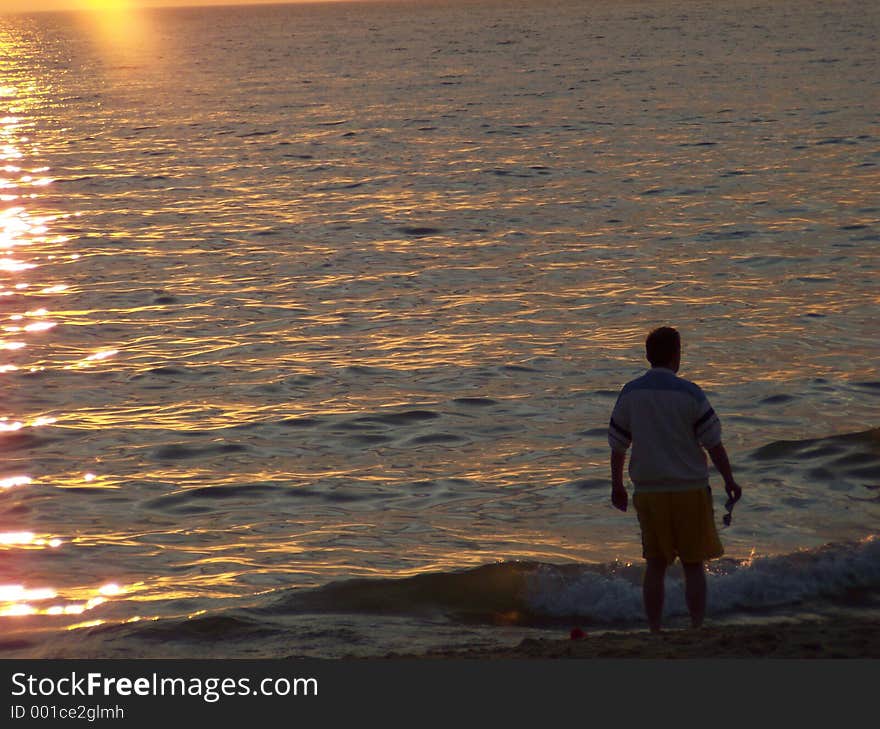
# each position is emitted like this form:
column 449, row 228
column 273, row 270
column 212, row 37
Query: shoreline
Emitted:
column 839, row 638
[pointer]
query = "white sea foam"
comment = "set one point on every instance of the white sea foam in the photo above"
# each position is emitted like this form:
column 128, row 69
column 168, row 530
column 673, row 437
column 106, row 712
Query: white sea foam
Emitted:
column 757, row 585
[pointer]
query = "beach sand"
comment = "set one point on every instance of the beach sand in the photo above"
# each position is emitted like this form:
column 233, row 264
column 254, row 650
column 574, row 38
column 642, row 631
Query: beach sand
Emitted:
column 840, row 638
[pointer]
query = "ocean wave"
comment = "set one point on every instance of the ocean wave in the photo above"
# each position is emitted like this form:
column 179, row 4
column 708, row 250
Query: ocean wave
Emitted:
column 532, row 593
column 844, row 461
column 369, row 615
column 841, row 573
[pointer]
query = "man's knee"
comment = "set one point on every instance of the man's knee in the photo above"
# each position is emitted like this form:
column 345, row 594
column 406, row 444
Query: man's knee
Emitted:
column 694, row 576
column 656, row 565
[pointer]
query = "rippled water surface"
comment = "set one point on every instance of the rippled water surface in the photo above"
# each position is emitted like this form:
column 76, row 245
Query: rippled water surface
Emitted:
column 296, row 295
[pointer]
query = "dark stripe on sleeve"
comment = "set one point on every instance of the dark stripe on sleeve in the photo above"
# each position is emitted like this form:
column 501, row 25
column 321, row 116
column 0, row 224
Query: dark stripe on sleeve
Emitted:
column 625, row 433
column 708, row 414
column 706, row 428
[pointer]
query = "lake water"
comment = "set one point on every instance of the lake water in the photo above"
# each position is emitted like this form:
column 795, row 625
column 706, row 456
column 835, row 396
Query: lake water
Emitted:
column 313, row 316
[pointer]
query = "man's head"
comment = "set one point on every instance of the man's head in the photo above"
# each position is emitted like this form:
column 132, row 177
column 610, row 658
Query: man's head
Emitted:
column 663, row 348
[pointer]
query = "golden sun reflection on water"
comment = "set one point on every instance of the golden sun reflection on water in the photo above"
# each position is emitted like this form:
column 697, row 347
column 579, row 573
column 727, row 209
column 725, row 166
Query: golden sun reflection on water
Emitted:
column 12, row 481
column 25, row 227
column 17, row 600
column 122, row 30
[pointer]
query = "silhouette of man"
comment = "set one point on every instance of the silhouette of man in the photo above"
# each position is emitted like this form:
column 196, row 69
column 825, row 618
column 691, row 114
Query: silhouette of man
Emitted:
column 669, row 421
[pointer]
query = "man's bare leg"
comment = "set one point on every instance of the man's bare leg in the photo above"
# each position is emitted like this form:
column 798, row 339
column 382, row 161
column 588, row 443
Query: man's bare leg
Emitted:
column 653, row 591
column 695, row 591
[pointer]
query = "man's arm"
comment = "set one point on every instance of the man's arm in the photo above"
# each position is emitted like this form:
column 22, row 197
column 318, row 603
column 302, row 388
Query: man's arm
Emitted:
column 619, row 438
column 719, row 457
column 619, row 496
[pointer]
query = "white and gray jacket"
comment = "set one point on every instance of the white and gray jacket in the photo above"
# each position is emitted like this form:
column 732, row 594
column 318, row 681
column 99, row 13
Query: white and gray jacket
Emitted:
column 668, row 420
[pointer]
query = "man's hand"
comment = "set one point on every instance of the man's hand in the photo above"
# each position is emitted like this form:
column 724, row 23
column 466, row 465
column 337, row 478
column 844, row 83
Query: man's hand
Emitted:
column 734, row 492
column 619, row 497
column 722, row 463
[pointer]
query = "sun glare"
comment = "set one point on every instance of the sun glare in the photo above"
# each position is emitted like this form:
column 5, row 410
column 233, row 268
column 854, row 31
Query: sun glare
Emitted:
column 120, row 26
column 107, row 5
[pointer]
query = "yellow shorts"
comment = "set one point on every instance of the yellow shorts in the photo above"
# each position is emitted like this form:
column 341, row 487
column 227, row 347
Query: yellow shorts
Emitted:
column 678, row 524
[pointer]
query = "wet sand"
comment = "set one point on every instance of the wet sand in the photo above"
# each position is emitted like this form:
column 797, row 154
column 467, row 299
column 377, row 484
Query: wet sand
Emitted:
column 844, row 638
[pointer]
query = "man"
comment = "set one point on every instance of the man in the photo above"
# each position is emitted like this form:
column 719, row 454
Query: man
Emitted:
column 668, row 421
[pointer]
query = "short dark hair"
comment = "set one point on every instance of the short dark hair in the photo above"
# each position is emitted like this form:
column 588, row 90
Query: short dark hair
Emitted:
column 662, row 345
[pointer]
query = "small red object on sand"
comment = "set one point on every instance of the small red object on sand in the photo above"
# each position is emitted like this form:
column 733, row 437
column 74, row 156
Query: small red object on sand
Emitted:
column 577, row 634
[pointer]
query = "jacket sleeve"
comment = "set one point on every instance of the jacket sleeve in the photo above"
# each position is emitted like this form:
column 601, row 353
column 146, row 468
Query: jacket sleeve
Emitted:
column 619, row 435
column 707, row 426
